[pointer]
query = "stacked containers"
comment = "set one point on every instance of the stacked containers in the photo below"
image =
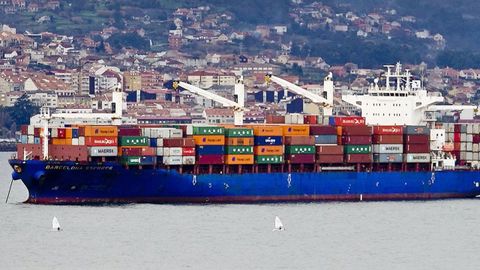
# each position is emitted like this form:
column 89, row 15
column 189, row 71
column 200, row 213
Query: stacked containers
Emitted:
column 235, row 153
column 416, row 144
column 135, row 149
column 327, row 149
column 299, row 145
column 210, row 144
column 177, row 151
column 268, row 143
column 357, row 141
column 387, row 144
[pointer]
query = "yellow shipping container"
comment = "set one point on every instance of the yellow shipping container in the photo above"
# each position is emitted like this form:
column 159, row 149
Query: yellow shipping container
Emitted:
column 101, row 131
column 68, row 133
column 239, row 159
column 239, row 141
column 296, row 130
column 268, row 150
column 209, row 139
column 267, row 130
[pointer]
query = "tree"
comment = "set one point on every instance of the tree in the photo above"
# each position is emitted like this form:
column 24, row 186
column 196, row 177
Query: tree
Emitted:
column 22, row 110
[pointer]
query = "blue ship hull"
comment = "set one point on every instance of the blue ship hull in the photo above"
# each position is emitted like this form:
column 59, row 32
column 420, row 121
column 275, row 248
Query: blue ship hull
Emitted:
column 73, row 183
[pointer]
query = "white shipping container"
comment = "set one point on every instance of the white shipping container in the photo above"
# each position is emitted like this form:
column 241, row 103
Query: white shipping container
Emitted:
column 160, row 142
column 476, row 128
column 81, row 140
column 54, row 133
column 475, row 147
column 470, row 147
column 159, row 151
column 469, row 156
column 450, row 137
column 74, row 141
column 190, row 130
column 463, row 137
column 387, row 148
column 176, row 133
column 30, row 130
column 188, row 160
column 31, row 139
column 173, row 160
column 103, row 151
column 172, row 151
column 417, row 158
column 463, row 155
column 463, row 146
column 469, row 128
column 475, row 156
column 469, row 138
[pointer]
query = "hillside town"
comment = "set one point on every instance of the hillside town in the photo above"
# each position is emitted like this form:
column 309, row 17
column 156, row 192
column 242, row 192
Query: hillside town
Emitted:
column 79, row 72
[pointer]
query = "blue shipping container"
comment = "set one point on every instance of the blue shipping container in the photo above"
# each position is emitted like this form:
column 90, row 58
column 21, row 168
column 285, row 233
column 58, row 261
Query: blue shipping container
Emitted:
column 36, row 140
column 153, row 142
column 325, row 139
column 210, row 149
column 268, row 140
column 24, row 139
column 75, row 133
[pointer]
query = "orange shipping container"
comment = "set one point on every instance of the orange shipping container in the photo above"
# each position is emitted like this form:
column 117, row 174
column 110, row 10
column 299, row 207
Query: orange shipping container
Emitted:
column 209, row 139
column 270, row 150
column 339, row 131
column 68, row 133
column 296, row 130
column 101, row 131
column 58, row 141
column 239, row 141
column 239, row 159
column 267, row 130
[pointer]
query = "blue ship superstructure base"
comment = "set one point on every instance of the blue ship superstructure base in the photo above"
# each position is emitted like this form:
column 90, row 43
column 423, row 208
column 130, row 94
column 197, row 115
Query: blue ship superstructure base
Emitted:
column 72, row 183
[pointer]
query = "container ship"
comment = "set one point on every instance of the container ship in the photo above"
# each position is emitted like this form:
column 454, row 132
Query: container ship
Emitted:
column 298, row 158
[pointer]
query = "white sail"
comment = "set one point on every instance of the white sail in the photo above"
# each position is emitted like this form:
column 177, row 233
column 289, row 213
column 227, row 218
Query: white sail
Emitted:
column 278, row 224
column 55, row 224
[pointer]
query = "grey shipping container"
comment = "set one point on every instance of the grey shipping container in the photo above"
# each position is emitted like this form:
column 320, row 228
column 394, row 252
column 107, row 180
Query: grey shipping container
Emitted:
column 414, row 130
column 417, row 158
column 103, row 151
column 388, row 158
column 388, row 148
column 326, row 139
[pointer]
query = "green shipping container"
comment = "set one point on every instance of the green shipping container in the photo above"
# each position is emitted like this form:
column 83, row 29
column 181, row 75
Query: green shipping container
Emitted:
column 238, row 132
column 358, row 149
column 138, row 160
column 300, row 149
column 239, row 149
column 268, row 159
column 208, row 130
column 134, row 141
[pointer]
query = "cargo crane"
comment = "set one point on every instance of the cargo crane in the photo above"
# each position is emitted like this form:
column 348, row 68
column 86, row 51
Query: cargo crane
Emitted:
column 238, row 105
column 325, row 101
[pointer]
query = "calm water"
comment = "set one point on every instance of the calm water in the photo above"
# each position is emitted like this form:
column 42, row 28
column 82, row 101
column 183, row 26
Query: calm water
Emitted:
column 380, row 235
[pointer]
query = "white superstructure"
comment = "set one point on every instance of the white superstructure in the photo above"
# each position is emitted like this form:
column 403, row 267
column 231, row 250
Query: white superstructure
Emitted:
column 402, row 101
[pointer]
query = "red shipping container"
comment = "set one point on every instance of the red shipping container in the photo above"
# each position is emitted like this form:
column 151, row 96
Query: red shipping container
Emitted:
column 210, row 159
column 357, row 130
column 417, row 139
column 417, row 148
column 34, row 149
column 173, row 142
column 322, row 130
column 300, row 158
column 387, row 139
column 131, row 151
column 36, row 132
column 457, row 146
column 330, row 159
column 24, row 129
column 188, row 151
column 329, row 150
column 457, row 137
column 358, row 158
column 388, row 130
column 310, row 119
column 349, row 121
column 69, row 152
column 101, row 141
column 188, row 142
column 356, row 139
column 299, row 140
column 129, row 132
column 62, row 134
column 457, row 128
column 81, row 131
column 275, row 119
column 476, row 138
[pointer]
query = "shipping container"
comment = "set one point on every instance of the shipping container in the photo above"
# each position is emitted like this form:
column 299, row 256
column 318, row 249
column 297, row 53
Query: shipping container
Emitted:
column 239, row 159
column 459, row 128
column 239, row 149
column 357, row 131
column 275, row 119
column 329, row 159
column 322, row 130
column 364, row 139
column 134, row 141
column 210, row 159
column 387, row 130
column 416, row 130
column 144, row 160
column 188, row 160
column 176, row 142
column 325, row 139
column 210, row 149
column 267, row 130
column 300, row 149
column 62, row 134
column 173, row 160
column 103, row 151
column 274, row 159
column 199, row 130
column 188, row 151
column 417, row 139
column 159, row 151
column 310, row 119
column 75, row 133
column 387, row 139
column 358, row 158
column 100, row 131
column 296, row 130
column 172, row 151
column 300, row 158
column 24, row 129
column 209, row 139
column 239, row 141
column 388, row 158
column 138, row 151
column 417, row 148
column 122, row 131
column 329, row 150
column 299, row 140
column 417, row 158
column 357, row 149
column 387, row 148
column 268, row 140
column 238, row 132
column 68, row 152
column 346, row 121
column 101, row 141
column 272, row 150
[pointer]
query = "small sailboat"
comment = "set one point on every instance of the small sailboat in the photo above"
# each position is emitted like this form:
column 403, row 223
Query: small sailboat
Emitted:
column 278, row 224
column 56, row 224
